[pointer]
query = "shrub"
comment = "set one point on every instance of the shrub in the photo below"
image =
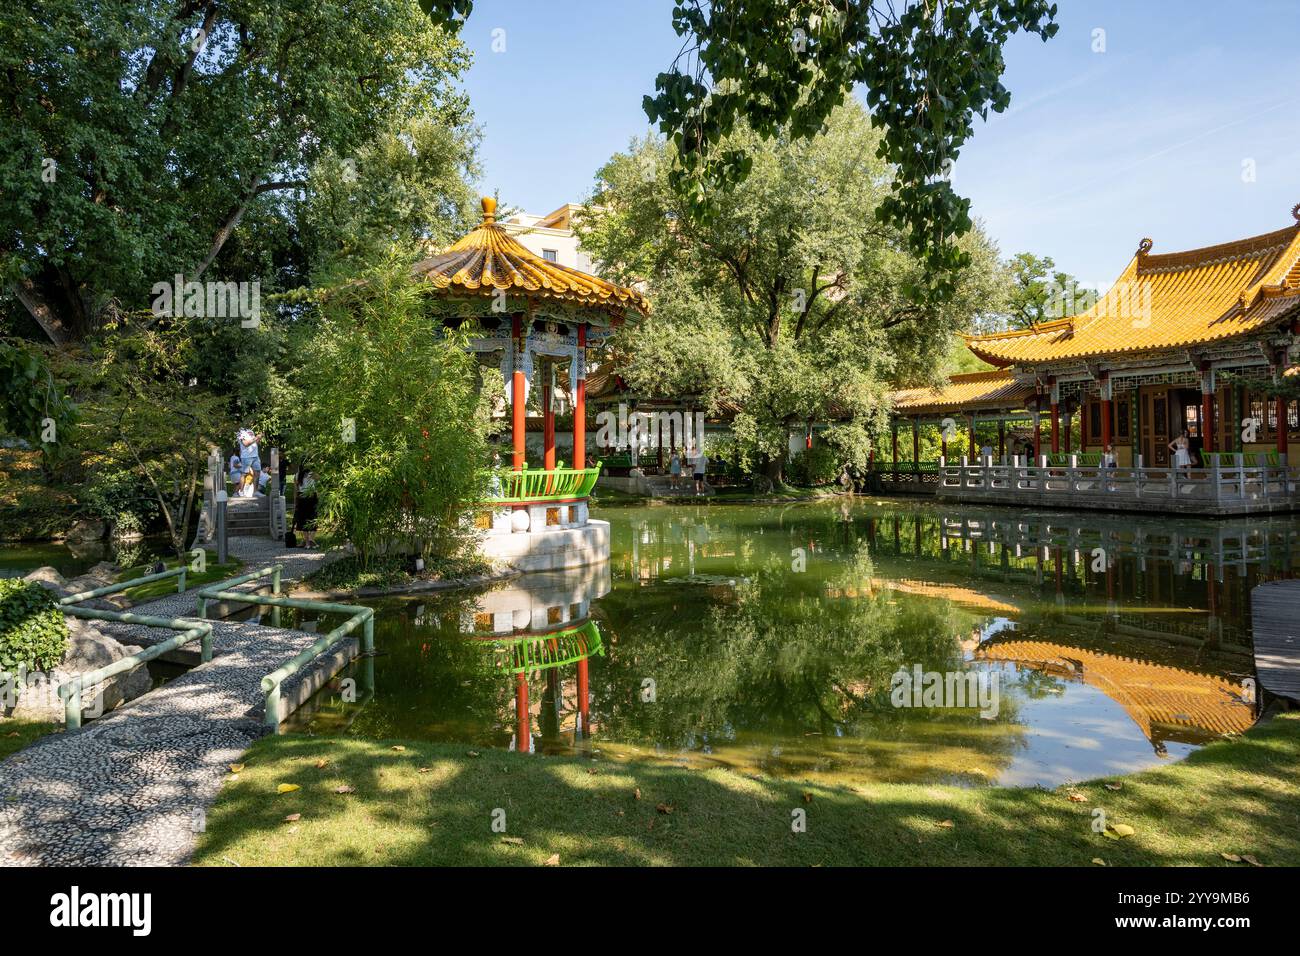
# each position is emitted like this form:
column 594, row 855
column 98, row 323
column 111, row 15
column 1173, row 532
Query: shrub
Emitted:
column 33, row 632
column 122, row 498
column 818, row 465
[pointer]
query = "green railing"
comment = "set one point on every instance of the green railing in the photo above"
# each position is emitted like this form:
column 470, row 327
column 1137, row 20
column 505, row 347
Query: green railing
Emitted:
column 537, row 652
column 1086, row 459
column 537, row 485
column 70, row 690
column 911, row 467
column 271, row 683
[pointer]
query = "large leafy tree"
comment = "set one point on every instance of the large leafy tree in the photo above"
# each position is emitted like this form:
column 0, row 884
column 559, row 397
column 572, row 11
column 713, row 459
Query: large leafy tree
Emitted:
column 136, row 136
column 1040, row 292
column 791, row 303
column 928, row 68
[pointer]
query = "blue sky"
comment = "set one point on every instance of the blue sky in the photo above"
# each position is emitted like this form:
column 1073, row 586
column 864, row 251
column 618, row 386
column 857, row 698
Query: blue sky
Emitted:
column 1098, row 149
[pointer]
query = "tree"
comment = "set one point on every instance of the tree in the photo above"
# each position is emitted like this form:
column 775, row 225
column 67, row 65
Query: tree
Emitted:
column 782, row 68
column 1041, row 293
column 144, row 414
column 392, row 415
column 791, row 301
column 138, row 135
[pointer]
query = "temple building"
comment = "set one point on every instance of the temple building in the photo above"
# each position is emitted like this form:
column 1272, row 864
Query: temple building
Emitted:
column 1189, row 342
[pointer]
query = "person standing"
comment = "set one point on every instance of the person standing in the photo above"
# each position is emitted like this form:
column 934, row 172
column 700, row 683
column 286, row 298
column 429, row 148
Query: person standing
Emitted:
column 1182, row 449
column 305, row 509
column 701, row 469
column 675, row 470
column 246, row 440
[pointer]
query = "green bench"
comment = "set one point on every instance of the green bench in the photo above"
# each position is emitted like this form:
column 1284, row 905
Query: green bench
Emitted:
column 1087, row 459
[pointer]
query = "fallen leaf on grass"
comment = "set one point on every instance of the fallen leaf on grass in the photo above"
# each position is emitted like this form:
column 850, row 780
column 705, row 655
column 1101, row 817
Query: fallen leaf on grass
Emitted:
column 945, row 824
column 1076, row 797
column 637, row 793
column 1118, row 831
column 513, row 841
column 423, row 769
column 593, row 771
column 286, row 788
column 552, row 860
column 807, row 797
column 322, row 764
column 398, row 747
column 664, row 808
column 12, row 733
column 472, row 753
column 293, row 818
column 1098, row 861
column 236, row 767
column 1251, row 860
column 1113, row 786
column 345, row 788
column 1231, row 857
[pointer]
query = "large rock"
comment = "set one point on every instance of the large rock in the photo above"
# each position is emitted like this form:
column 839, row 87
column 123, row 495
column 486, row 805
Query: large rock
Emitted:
column 89, row 648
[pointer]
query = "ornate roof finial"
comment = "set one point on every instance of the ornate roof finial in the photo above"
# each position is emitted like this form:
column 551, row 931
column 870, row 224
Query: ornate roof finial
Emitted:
column 1144, row 247
column 489, row 210
column 1295, row 212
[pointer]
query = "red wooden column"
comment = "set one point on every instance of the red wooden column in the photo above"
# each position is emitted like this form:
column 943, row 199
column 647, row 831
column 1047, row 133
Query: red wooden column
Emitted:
column 518, row 413
column 1207, row 407
column 584, row 704
column 1105, row 410
column 548, row 418
column 1056, row 415
column 1280, row 410
column 974, row 443
column 523, row 733
column 578, row 370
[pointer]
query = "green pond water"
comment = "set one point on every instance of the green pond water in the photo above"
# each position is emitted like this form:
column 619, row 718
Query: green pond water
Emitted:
column 770, row 640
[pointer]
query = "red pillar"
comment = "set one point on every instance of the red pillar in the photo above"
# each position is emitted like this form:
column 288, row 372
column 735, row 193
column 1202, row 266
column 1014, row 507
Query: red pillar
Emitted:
column 518, row 413
column 584, row 710
column 974, row 443
column 1002, row 438
column 580, row 402
column 1056, row 416
column 548, row 420
column 1069, row 427
column 523, row 733
column 1207, row 409
column 1105, row 412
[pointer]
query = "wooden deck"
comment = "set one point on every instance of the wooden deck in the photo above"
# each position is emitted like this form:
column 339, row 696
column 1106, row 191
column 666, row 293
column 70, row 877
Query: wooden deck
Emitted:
column 1275, row 620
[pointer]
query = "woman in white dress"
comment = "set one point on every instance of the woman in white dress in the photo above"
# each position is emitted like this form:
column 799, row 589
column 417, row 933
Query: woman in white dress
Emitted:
column 1181, row 448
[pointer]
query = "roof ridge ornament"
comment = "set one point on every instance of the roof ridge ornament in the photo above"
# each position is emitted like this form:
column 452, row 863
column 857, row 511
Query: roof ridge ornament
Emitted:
column 1145, row 246
column 489, row 210
column 1295, row 212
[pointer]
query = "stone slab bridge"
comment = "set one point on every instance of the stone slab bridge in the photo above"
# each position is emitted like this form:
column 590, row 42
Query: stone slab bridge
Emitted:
column 132, row 788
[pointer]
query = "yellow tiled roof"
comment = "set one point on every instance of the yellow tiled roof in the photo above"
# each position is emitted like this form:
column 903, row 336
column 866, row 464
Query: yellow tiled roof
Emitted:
column 990, row 389
column 489, row 259
column 1154, row 695
column 1169, row 301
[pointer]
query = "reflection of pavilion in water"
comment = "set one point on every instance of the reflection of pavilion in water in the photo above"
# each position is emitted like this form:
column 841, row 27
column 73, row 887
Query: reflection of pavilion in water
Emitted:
column 540, row 625
column 1168, row 703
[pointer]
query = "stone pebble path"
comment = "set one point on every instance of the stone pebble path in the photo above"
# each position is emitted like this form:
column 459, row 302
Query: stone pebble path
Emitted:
column 132, row 788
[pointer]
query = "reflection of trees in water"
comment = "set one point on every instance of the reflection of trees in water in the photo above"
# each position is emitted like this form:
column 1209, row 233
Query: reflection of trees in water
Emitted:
column 435, row 682
column 779, row 659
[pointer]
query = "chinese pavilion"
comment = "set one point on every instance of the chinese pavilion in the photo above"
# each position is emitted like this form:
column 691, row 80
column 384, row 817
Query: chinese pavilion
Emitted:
column 534, row 315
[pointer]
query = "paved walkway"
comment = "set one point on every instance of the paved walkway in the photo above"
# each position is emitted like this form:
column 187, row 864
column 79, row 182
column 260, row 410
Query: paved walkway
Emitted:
column 132, row 788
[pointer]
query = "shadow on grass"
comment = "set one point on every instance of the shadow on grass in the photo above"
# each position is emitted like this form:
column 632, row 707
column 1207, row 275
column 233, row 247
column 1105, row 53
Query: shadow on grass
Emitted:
column 430, row 804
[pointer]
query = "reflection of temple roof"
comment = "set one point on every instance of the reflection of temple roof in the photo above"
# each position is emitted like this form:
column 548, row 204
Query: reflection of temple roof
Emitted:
column 967, row 597
column 1166, row 702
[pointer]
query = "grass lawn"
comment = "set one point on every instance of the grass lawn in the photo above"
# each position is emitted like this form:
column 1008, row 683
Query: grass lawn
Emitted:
column 426, row 804
column 156, row 589
column 349, row 574
column 17, row 734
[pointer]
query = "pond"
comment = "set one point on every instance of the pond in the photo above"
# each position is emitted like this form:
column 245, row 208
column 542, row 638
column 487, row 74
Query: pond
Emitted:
column 850, row 642
column 70, row 559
